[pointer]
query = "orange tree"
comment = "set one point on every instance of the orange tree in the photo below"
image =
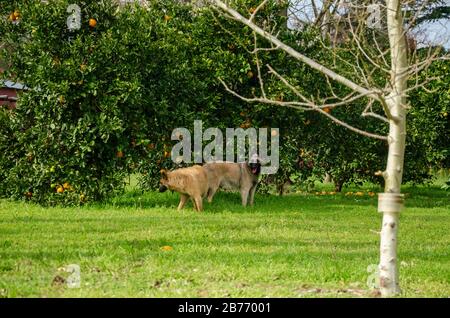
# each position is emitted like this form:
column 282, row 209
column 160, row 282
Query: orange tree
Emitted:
column 95, row 102
column 102, row 100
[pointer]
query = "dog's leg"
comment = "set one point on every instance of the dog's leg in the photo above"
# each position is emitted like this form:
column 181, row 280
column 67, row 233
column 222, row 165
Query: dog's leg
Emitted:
column 244, row 195
column 211, row 193
column 252, row 194
column 198, row 203
column 194, row 204
column 183, row 199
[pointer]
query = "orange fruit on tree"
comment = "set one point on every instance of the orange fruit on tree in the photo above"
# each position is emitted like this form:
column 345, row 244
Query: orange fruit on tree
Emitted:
column 59, row 189
column 66, row 185
column 167, row 17
column 327, row 110
column 92, row 23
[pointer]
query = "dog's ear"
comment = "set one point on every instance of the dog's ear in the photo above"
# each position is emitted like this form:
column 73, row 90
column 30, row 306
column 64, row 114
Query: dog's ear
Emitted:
column 164, row 174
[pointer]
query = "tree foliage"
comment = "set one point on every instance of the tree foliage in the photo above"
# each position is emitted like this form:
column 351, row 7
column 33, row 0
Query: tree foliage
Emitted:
column 102, row 101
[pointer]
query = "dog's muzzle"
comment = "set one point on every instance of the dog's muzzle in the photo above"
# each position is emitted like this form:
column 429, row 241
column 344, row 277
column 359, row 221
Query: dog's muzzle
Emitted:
column 255, row 168
column 162, row 188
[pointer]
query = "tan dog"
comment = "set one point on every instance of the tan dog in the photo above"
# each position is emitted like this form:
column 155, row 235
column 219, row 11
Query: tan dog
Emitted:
column 228, row 175
column 190, row 182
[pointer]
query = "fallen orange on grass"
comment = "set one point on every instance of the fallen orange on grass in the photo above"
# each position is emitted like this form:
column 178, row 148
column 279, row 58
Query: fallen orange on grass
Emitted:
column 167, row 248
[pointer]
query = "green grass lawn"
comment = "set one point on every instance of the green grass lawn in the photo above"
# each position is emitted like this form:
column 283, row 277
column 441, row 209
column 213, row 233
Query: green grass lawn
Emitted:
column 298, row 245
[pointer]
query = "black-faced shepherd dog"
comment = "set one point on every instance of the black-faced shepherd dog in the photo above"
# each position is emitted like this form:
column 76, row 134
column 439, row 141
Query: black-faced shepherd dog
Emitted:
column 234, row 176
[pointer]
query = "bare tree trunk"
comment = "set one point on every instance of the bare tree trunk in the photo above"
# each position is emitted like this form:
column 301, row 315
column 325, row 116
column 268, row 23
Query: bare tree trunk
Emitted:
column 338, row 184
column 391, row 202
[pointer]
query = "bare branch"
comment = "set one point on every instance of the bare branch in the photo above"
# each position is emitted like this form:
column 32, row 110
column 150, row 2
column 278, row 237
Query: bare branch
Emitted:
column 258, row 66
column 313, row 64
column 368, row 112
column 262, row 4
column 344, row 124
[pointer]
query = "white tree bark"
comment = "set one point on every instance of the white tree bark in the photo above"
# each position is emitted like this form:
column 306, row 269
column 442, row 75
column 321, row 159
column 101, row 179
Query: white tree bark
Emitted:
column 390, row 205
